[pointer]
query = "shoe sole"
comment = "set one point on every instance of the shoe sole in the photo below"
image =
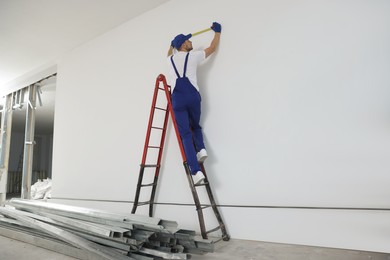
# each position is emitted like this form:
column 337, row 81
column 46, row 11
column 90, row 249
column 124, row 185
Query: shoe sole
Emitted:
column 202, row 159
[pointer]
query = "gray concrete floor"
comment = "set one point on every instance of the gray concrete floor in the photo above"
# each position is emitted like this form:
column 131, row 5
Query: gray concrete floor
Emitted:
column 234, row 249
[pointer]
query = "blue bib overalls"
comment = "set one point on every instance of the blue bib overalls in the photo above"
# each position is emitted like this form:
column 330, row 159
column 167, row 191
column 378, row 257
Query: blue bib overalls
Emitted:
column 186, row 106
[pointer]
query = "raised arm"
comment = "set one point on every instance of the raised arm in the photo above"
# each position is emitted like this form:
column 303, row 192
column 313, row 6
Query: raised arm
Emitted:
column 170, row 51
column 215, row 42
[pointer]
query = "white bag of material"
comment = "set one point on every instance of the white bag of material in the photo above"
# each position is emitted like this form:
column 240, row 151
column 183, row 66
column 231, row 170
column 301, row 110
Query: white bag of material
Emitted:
column 41, row 189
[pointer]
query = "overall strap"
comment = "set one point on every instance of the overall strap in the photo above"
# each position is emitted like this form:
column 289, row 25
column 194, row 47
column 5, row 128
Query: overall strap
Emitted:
column 173, row 64
column 185, row 66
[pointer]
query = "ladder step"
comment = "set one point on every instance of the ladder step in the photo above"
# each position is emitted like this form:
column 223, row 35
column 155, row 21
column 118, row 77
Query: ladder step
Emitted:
column 205, row 207
column 148, row 185
column 150, row 165
column 212, row 230
column 156, row 147
column 163, row 109
column 144, row 203
column 201, row 184
column 159, row 128
column 161, row 88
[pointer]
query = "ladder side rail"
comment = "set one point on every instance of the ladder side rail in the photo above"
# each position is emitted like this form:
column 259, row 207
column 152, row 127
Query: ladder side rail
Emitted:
column 162, row 140
column 149, row 129
column 138, row 191
column 160, row 153
column 153, row 194
column 197, row 202
column 218, row 216
column 147, row 139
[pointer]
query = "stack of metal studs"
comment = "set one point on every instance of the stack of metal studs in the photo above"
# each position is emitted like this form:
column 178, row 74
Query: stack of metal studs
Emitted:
column 86, row 233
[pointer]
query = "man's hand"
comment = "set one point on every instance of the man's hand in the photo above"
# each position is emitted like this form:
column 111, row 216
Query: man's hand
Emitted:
column 216, row 27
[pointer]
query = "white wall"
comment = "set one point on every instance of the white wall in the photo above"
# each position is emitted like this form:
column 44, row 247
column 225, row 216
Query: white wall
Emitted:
column 295, row 114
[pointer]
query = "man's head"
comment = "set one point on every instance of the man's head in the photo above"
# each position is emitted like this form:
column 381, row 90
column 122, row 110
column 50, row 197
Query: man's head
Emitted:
column 182, row 42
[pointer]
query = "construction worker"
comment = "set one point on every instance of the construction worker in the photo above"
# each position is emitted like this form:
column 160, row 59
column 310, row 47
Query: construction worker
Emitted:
column 186, row 98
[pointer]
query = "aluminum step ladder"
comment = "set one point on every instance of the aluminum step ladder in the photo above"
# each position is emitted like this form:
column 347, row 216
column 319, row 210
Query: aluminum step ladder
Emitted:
column 166, row 109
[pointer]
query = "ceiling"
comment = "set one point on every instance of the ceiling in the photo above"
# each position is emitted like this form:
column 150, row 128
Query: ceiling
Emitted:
column 35, row 33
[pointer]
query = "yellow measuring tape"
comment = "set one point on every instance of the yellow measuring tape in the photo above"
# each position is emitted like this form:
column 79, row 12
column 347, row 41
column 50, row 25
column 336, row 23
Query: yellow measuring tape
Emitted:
column 200, row 32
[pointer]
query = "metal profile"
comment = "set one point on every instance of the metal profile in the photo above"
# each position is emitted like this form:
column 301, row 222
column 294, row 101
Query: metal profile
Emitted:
column 91, row 215
column 29, row 204
column 104, row 241
column 29, row 142
column 48, row 244
column 6, row 126
column 118, row 243
column 66, row 236
column 98, row 229
column 100, row 241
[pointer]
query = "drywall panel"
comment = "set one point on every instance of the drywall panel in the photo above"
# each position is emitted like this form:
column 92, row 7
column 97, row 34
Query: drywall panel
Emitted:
column 295, row 111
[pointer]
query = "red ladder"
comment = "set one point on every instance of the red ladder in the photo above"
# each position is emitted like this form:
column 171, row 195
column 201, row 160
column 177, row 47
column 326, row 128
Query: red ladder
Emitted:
column 157, row 166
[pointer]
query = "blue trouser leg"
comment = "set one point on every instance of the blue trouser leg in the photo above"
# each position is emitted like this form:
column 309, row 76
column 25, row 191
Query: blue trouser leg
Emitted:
column 194, row 114
column 186, row 106
column 183, row 124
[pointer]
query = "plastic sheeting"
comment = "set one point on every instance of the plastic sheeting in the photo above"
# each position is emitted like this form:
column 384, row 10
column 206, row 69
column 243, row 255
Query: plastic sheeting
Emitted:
column 41, row 189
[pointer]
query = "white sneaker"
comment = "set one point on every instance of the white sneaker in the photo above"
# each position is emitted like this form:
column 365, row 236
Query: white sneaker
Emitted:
column 201, row 155
column 198, row 177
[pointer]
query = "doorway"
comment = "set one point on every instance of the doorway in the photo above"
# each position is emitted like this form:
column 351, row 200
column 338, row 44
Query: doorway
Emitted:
column 43, row 137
